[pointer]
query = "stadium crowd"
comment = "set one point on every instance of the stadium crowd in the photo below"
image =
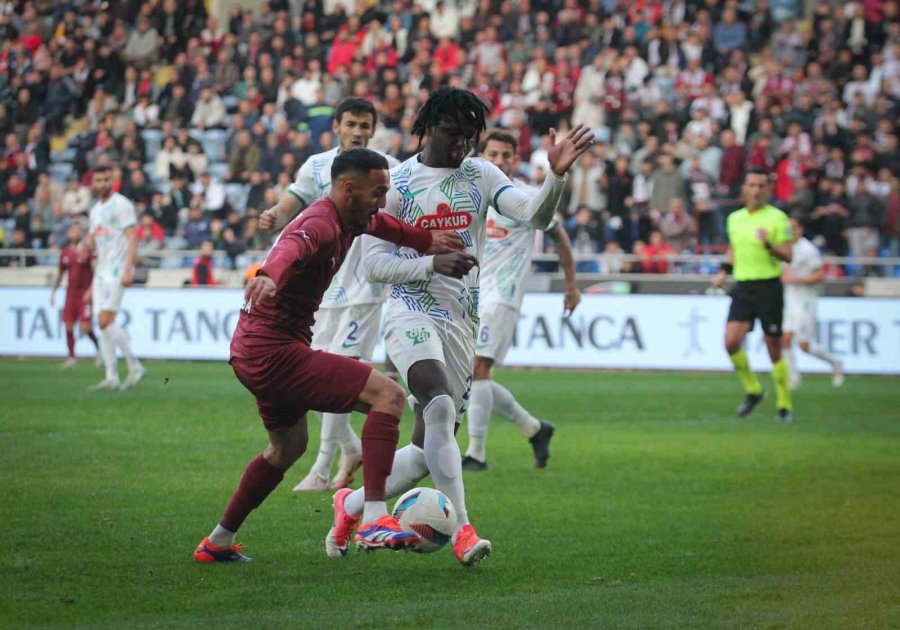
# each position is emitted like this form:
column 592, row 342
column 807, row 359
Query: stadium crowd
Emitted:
column 205, row 123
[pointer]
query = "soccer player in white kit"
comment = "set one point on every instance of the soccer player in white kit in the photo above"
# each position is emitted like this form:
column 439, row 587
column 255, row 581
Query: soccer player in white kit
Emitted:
column 112, row 235
column 802, row 279
column 348, row 321
column 504, row 266
column 431, row 319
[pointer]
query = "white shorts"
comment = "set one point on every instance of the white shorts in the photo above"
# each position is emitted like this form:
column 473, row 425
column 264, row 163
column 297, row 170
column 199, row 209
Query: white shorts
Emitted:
column 800, row 320
column 350, row 331
column 106, row 294
column 497, row 331
column 411, row 337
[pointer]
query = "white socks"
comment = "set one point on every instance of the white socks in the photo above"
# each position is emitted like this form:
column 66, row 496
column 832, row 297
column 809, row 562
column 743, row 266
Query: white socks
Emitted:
column 788, row 355
column 108, row 351
column 327, row 443
column 111, row 337
column 442, row 453
column 817, row 352
column 506, row 406
column 481, row 403
column 373, row 510
column 125, row 346
column 409, row 469
column 221, row 537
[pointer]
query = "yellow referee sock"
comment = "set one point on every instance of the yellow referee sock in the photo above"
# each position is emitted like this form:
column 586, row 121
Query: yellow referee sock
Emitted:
column 780, row 375
column 748, row 378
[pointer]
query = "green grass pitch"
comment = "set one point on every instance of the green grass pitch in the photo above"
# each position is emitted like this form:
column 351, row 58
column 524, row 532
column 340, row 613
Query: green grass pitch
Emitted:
column 658, row 509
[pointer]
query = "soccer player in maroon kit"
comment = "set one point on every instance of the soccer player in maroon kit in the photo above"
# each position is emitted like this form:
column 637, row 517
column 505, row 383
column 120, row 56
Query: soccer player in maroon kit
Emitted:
column 271, row 357
column 78, row 263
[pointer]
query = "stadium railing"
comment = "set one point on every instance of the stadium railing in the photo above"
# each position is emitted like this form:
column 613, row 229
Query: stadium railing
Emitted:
column 591, row 267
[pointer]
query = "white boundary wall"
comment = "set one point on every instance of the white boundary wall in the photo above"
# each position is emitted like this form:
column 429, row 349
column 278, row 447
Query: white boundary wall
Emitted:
column 634, row 331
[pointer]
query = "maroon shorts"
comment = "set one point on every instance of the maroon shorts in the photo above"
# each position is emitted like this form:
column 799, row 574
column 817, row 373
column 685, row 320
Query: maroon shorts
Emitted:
column 77, row 310
column 290, row 380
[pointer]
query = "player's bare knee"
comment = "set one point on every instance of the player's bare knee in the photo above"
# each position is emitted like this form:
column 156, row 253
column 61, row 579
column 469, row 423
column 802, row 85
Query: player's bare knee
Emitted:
column 732, row 346
column 804, row 345
column 391, row 398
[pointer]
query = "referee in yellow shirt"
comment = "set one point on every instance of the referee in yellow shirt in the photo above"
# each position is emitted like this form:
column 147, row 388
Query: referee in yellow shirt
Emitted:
column 760, row 239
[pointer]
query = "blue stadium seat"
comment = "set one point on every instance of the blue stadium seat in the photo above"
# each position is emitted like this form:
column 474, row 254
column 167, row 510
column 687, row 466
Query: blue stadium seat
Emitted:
column 237, row 195
column 60, row 171
column 219, row 170
column 214, row 144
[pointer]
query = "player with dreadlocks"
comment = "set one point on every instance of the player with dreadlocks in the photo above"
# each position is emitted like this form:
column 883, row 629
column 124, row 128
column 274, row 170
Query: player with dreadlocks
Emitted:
column 431, row 313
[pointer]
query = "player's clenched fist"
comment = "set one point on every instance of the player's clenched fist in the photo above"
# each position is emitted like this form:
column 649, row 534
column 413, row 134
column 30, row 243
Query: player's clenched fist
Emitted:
column 268, row 219
column 260, row 289
column 446, row 242
column 455, row 265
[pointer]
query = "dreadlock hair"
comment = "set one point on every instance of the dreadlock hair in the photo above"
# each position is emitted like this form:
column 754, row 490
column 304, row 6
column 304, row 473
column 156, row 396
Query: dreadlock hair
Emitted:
column 450, row 103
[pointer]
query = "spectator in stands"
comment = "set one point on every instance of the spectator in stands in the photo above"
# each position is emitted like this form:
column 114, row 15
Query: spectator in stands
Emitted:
column 244, row 159
column 143, row 44
column 655, row 255
column 209, row 112
column 197, row 228
column 47, row 194
column 19, row 241
column 668, row 184
column 865, row 216
column 202, row 274
column 212, row 193
column 677, row 227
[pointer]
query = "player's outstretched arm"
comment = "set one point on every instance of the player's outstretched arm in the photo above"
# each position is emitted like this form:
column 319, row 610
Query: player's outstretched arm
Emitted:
column 567, row 262
column 278, row 215
column 538, row 210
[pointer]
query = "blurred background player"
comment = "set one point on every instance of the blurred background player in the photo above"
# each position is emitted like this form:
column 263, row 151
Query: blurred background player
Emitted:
column 759, row 236
column 349, row 319
column 78, row 263
column 503, row 268
column 802, row 279
column 271, row 354
column 431, row 319
column 113, row 238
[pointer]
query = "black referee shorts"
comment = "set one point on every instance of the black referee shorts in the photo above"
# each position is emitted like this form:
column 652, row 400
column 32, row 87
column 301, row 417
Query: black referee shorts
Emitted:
column 758, row 299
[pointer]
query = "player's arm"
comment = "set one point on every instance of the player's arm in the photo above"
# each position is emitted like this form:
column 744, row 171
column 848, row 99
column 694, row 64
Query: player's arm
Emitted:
column 725, row 269
column 385, row 266
column 130, row 256
column 303, row 242
column 300, row 194
column 391, row 229
column 59, row 276
column 778, row 243
column 278, row 215
column 538, row 210
column 567, row 262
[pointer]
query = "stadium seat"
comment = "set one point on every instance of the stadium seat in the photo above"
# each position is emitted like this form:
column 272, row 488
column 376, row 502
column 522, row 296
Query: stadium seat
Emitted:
column 219, row 170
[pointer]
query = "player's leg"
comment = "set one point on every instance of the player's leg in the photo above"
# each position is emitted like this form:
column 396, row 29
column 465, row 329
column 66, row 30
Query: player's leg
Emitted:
column 87, row 329
column 70, row 361
column 495, row 337
column 787, row 353
column 481, row 404
column 287, row 442
column 323, row 333
column 735, row 333
column 106, row 319
column 771, row 312
column 806, row 341
column 136, row 370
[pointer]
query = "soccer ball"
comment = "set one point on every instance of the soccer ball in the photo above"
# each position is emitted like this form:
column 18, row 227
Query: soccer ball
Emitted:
column 429, row 514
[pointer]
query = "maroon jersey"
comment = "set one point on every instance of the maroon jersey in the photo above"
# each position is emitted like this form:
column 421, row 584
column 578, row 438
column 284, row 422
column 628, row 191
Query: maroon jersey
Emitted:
column 302, row 263
column 81, row 274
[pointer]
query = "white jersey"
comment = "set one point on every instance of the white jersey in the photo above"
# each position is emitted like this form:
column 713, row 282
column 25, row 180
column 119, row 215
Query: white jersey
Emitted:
column 108, row 222
column 805, row 261
column 454, row 199
column 507, row 256
column 349, row 285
